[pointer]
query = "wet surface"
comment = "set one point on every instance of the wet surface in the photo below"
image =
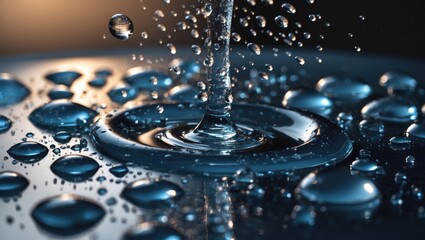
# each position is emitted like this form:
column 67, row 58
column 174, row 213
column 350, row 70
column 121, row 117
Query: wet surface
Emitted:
column 388, row 176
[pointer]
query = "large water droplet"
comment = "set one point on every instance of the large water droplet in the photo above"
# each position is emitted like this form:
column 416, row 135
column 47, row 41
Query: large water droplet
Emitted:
column 11, row 90
column 120, row 26
column 12, row 183
column 337, row 187
column 59, row 114
column 63, row 77
column 5, row 124
column 147, row 194
column 398, row 83
column 308, row 100
column 151, row 232
column 75, row 168
column 343, row 89
column 416, row 133
column 141, row 78
column 391, row 109
column 28, row 152
column 67, row 214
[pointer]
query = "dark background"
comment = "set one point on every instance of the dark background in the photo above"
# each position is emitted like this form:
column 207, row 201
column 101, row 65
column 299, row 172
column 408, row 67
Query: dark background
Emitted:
column 390, row 27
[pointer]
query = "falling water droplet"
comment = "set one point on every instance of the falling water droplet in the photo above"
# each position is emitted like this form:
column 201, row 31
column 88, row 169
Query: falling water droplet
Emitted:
column 11, row 90
column 120, row 26
column 67, row 214
column 59, row 115
column 28, row 152
column 150, row 194
column 74, row 168
column 12, row 183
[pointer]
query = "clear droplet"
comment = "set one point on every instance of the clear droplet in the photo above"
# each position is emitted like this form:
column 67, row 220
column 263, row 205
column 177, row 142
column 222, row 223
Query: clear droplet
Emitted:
column 120, row 26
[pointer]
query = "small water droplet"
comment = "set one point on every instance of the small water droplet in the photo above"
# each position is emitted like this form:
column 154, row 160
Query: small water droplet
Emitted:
column 121, row 27
column 289, row 8
column 399, row 143
column 118, row 170
column 343, row 89
column 139, row 78
column 60, row 92
column 28, row 152
column 62, row 137
column 410, row 161
column 67, row 214
column 123, row 94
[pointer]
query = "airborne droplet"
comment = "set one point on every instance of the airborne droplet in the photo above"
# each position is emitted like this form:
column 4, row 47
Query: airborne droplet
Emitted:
column 120, row 27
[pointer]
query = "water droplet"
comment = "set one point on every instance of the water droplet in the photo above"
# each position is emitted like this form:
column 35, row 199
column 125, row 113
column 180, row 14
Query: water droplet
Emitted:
column 118, row 170
column 371, row 126
column 74, row 168
column 400, row 178
column 148, row 231
column 390, row 109
column 398, row 83
column 289, row 8
column 410, row 161
column 5, row 124
column 120, row 26
column 12, row 183
column 98, row 82
column 58, row 115
column 60, row 92
column 123, row 94
column 28, row 152
column 343, row 89
column 63, row 77
column 11, row 90
column 67, row 214
column 139, row 78
column 344, row 119
column 254, row 48
column 188, row 68
column 366, row 166
column 399, row 143
column 62, row 137
column 300, row 60
column 171, row 48
column 261, row 21
column 337, row 187
column 308, row 100
column 147, row 194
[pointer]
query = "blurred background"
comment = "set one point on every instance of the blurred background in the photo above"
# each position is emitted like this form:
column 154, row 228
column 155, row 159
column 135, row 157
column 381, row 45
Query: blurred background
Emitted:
column 375, row 26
